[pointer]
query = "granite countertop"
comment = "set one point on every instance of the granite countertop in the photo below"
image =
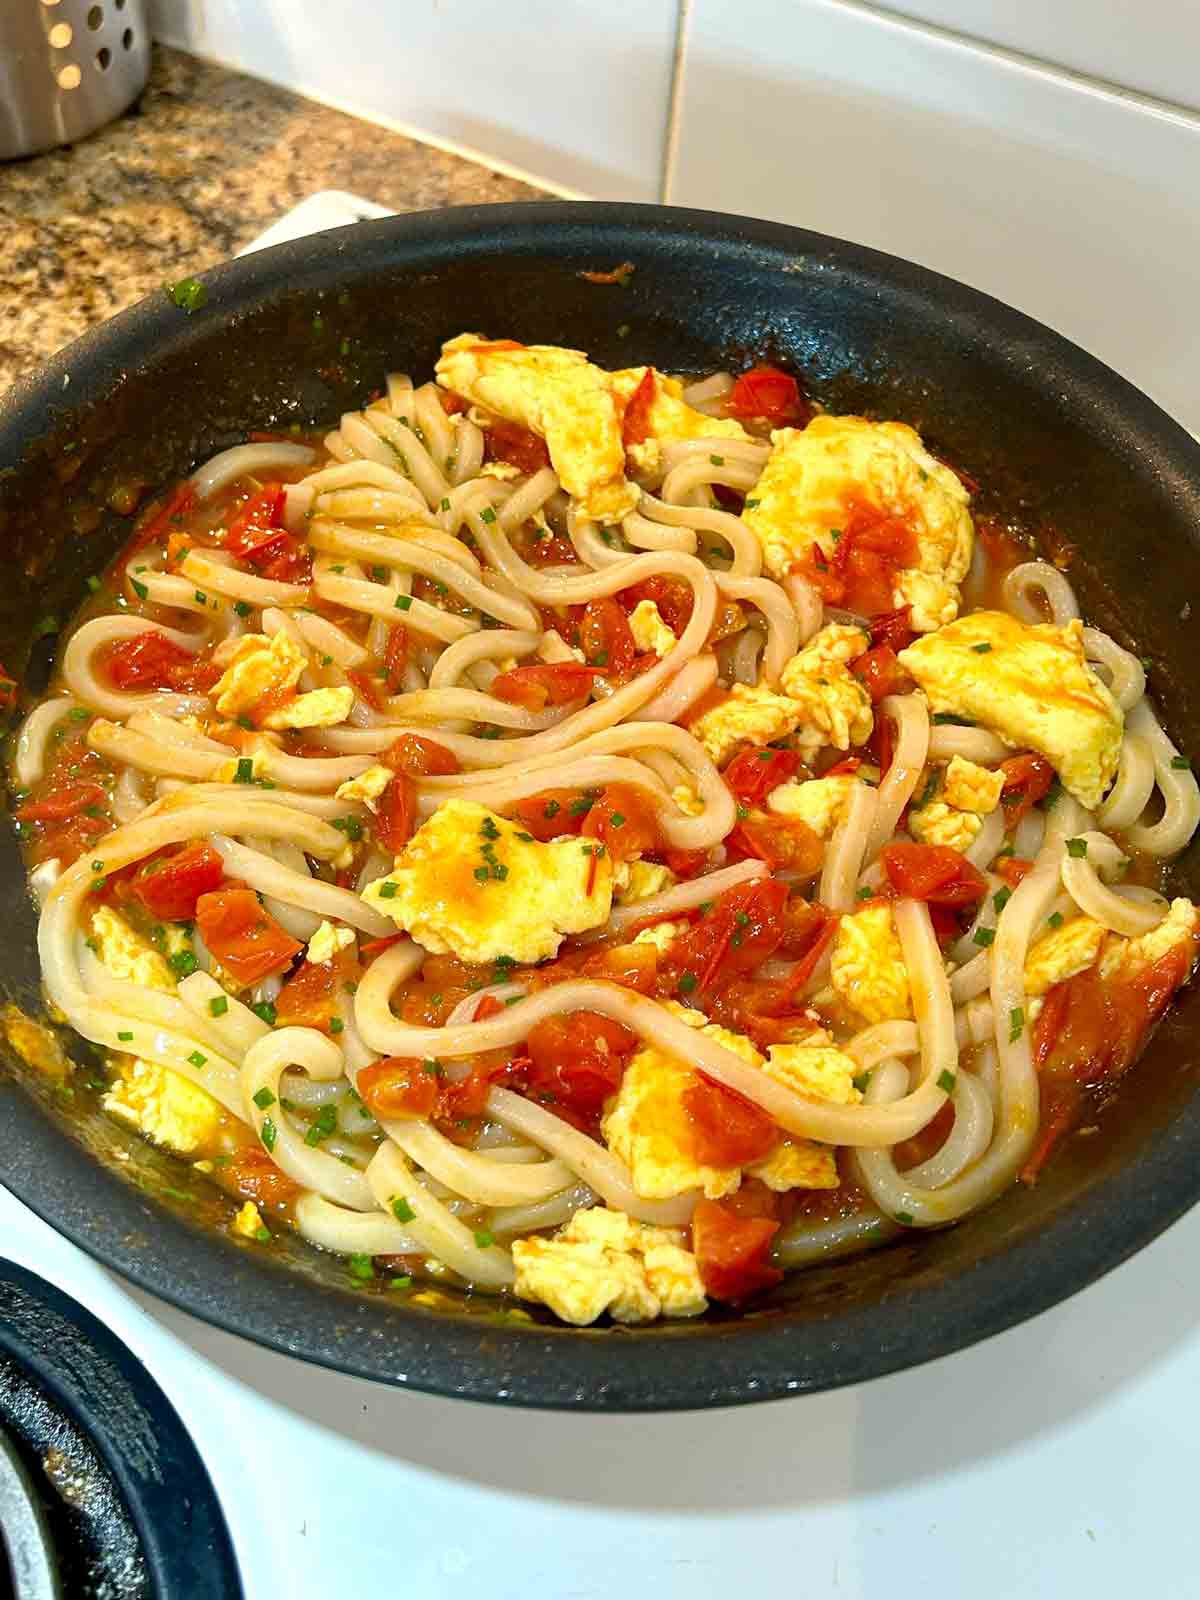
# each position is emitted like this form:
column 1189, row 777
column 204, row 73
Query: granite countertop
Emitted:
column 199, row 166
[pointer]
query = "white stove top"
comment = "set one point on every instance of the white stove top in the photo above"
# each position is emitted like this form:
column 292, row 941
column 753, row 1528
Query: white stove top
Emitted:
column 1056, row 1460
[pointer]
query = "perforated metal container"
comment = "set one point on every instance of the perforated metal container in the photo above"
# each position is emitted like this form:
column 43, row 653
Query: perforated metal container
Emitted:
column 66, row 68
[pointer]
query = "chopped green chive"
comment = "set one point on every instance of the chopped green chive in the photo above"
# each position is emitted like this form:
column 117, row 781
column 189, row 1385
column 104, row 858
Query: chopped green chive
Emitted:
column 403, row 602
column 189, row 294
column 1055, row 919
column 264, row 1099
column 350, row 826
column 242, row 607
column 947, row 719
column 183, row 963
column 750, row 504
column 1000, row 899
column 199, row 594
column 387, row 891
column 687, row 983
column 93, row 584
column 265, row 1012
column 905, row 1218
column 81, row 714
column 1077, row 848
column 860, row 1081
column 1181, row 763
column 865, row 893
column 742, row 813
column 484, row 1239
column 268, row 1133
column 336, row 1025
column 984, row 936
column 218, row 1005
column 1016, row 1023
column 97, row 866
column 946, row 1082
column 196, row 1059
column 361, row 1267
column 401, row 1209
column 446, row 503
column 323, row 1124
column 617, row 820
column 487, row 515
column 244, row 772
column 263, row 1235
column 139, row 589
column 981, row 649
column 551, row 808
column 717, row 461
column 125, row 1037
column 404, row 1282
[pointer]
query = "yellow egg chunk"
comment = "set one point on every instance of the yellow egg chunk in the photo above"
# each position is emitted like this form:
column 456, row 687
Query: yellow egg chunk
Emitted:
column 867, row 966
column 816, row 476
column 814, row 1066
column 833, row 707
column 327, row 941
column 940, row 824
column 559, row 395
column 747, row 715
column 669, row 419
column 604, row 1261
column 970, row 787
column 1125, row 958
column 472, row 884
column 1061, row 953
column 662, row 935
column 649, row 630
column 367, row 787
column 126, row 954
column 819, row 802
column 319, row 708
column 259, row 666
column 247, row 1221
column 638, row 880
column 1029, row 684
column 163, row 1105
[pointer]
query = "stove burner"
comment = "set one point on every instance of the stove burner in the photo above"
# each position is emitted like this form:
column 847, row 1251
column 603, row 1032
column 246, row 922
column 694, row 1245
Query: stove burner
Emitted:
column 102, row 1493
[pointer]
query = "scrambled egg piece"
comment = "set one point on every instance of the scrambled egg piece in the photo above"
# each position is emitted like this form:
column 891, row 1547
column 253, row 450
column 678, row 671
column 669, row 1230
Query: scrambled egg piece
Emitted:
column 259, row 666
column 638, row 880
column 688, row 801
column 604, row 1261
column 1127, row 957
column 832, row 705
column 319, row 708
column 938, row 823
column 749, row 714
column 662, row 935
column 646, row 1124
column 559, row 395
column 248, row 1221
column 669, row 418
column 819, row 802
column 814, row 1066
column 1031, row 686
column 649, row 630
column 478, row 886
column 126, row 954
column 815, row 476
column 867, row 965
column 327, row 941
column 971, row 787
column 164, row 1105
column 367, row 787
column 1070, row 948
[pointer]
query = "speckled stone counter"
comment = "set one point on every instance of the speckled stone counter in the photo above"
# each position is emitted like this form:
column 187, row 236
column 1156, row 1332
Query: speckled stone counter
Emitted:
column 200, row 166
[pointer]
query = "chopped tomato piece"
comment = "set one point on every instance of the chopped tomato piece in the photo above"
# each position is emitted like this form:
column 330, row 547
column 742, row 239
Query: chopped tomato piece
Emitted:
column 606, row 639
column 743, row 928
column 256, row 533
column 633, row 966
column 367, row 686
column 893, row 628
column 726, row 1129
column 808, row 962
column 552, row 812
column 170, row 885
column 732, row 1252
column 60, row 804
column 395, row 658
column 252, row 1174
column 508, row 441
column 636, row 426
column 174, row 508
column 576, row 1062
column 879, row 672
column 146, row 661
column 881, row 746
column 768, row 393
column 1027, row 780
column 68, row 840
column 672, row 596
column 8, row 689
column 399, row 1086
column 452, row 404
column 395, row 821
column 933, row 873
column 419, row 757
column 623, row 821
column 245, row 939
column 844, row 768
column 861, row 571
column 309, row 998
column 685, row 863
column 752, row 775
column 376, row 947
column 554, row 684
column 779, row 841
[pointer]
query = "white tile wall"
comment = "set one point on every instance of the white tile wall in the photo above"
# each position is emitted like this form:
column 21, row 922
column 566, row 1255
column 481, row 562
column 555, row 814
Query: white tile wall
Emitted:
column 1071, row 202
column 1150, row 45
column 573, row 92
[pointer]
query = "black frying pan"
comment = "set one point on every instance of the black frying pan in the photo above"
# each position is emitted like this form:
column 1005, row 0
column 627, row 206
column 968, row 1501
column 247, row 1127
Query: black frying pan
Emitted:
column 308, row 329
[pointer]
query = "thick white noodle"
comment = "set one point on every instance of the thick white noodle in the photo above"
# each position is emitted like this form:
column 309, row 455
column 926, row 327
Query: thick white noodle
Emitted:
column 230, row 465
column 1039, row 577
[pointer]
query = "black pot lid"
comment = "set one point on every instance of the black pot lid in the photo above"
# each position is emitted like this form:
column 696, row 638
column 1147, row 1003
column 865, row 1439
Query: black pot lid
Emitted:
column 102, row 1492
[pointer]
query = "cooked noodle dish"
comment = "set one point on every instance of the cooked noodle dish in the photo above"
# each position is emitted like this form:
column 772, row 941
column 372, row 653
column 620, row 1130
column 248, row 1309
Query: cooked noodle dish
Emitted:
column 606, row 839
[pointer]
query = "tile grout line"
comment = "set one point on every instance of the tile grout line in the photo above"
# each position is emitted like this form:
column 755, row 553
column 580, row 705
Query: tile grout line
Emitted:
column 1138, row 98
column 683, row 27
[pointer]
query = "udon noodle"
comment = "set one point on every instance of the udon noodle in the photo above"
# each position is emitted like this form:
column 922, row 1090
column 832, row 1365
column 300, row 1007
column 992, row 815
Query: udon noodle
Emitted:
column 573, row 835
